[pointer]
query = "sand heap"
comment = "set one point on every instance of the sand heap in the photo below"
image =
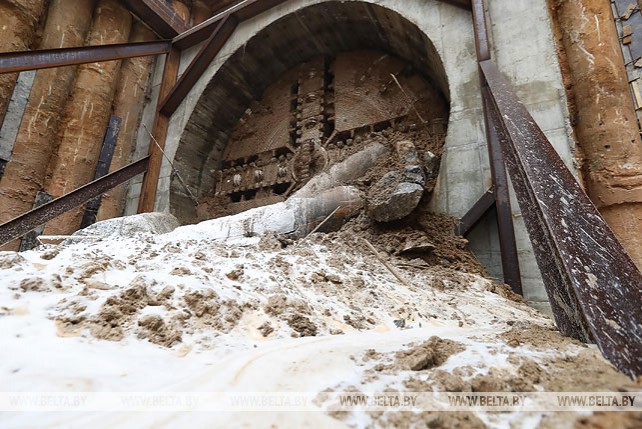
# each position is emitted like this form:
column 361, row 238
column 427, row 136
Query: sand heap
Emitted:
column 275, row 314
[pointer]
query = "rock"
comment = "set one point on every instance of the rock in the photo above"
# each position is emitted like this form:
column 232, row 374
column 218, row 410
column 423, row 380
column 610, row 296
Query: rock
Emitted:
column 407, row 152
column 414, row 245
column 431, row 163
column 393, row 198
column 415, row 174
column 129, row 226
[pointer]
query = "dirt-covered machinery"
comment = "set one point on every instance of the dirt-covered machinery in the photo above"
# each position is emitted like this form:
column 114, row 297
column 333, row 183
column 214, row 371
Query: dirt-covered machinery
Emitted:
column 318, row 114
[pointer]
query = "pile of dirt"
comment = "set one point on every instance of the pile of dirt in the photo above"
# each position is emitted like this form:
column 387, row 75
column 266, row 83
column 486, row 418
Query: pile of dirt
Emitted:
column 432, row 353
column 424, row 236
column 444, row 365
column 171, row 291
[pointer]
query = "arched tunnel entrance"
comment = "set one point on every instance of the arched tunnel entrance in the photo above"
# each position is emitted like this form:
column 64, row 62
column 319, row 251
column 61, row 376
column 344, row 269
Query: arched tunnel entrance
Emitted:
column 306, row 92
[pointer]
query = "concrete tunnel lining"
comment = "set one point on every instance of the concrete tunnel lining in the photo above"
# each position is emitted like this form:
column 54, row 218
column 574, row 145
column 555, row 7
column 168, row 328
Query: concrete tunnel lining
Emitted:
column 326, row 28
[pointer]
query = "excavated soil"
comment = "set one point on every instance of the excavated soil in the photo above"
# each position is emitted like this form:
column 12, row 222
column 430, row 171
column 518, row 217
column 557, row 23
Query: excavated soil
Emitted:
column 185, row 292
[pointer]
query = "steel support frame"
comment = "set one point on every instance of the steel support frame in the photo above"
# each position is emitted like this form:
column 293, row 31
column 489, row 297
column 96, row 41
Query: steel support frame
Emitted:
column 505, row 227
column 102, row 169
column 594, row 288
column 21, row 225
column 476, row 213
column 242, row 10
column 159, row 132
column 199, row 64
column 158, row 15
column 11, row 62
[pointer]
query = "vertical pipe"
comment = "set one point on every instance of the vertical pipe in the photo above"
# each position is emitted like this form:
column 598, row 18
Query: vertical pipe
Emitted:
column 128, row 104
column 18, row 22
column 510, row 258
column 606, row 124
column 67, row 25
column 86, row 115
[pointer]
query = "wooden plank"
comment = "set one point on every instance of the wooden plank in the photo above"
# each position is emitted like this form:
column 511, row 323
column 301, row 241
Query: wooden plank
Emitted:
column 159, row 130
column 199, row 64
column 159, row 16
column 11, row 62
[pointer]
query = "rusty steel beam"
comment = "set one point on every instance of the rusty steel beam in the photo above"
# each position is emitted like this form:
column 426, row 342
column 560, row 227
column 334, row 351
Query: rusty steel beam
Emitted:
column 199, row 64
column 476, row 213
column 505, row 228
column 159, row 132
column 21, row 225
column 589, row 277
column 242, row 10
column 159, row 16
column 11, row 62
column 102, row 169
column 482, row 42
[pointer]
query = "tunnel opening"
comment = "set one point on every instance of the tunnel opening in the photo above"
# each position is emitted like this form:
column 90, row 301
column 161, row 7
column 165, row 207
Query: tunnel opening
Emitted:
column 302, row 94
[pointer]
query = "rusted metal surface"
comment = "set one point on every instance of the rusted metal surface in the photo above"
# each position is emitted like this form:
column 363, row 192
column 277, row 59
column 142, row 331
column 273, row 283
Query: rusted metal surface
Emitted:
column 102, row 169
column 593, row 285
column 159, row 16
column 199, row 64
column 242, row 10
column 505, row 228
column 482, row 42
column 476, row 213
column 21, row 225
column 30, row 239
column 159, row 132
column 11, row 62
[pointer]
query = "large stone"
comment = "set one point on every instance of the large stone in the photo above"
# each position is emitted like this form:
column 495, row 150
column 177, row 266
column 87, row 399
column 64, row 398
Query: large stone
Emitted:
column 414, row 174
column 393, row 197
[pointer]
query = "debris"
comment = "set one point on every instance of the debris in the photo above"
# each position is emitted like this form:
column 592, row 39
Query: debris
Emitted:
column 393, row 197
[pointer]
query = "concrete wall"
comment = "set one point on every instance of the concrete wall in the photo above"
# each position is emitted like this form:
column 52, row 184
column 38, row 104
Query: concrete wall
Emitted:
column 529, row 62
